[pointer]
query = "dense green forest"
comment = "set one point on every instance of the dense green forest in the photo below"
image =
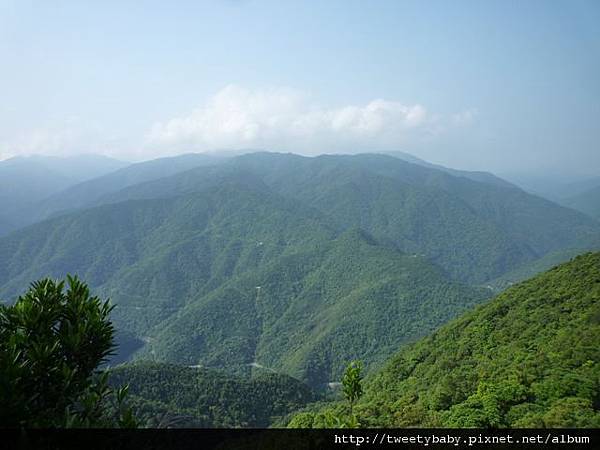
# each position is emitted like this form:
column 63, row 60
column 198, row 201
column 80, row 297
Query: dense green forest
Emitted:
column 296, row 264
column 529, row 358
column 270, row 224
column 474, row 230
column 274, row 270
column 167, row 395
column 529, row 270
column 53, row 340
column 306, row 314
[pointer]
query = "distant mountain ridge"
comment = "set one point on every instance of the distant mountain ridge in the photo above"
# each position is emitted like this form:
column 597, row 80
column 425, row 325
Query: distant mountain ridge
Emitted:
column 76, row 167
column 25, row 181
column 484, row 177
column 588, row 202
column 555, row 188
column 402, row 203
column 295, row 263
column 250, row 260
column 89, row 193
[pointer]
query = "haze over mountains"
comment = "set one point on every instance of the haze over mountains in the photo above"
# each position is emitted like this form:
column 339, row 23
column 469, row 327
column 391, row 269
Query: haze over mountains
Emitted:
column 273, row 199
column 587, row 201
column 90, row 192
column 27, row 181
column 289, row 262
column 580, row 194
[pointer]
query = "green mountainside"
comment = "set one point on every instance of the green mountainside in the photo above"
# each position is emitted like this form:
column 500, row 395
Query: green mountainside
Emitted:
column 484, row 177
column 90, row 192
column 166, row 395
column 25, row 181
column 531, row 269
column 475, row 231
column 307, row 313
column 292, row 263
column 184, row 274
column 529, row 358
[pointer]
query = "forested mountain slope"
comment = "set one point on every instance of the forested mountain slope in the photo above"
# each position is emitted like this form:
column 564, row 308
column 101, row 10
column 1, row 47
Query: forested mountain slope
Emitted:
column 308, row 312
column 90, row 192
column 166, row 395
column 476, row 231
column 104, row 241
column 25, row 181
column 185, row 274
column 529, row 358
column 484, row 177
column 531, row 269
column 298, row 264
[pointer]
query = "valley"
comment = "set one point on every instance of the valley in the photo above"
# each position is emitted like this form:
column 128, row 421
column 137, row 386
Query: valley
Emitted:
column 290, row 263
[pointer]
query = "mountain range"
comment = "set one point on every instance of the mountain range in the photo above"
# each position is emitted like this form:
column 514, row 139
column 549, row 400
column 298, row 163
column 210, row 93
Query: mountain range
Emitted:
column 587, row 201
column 27, row 181
column 582, row 194
column 291, row 263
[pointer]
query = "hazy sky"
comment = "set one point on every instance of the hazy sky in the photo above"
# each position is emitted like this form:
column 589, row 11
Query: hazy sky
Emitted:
column 495, row 85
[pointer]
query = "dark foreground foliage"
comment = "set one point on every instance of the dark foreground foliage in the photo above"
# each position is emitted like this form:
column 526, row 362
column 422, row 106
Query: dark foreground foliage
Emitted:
column 51, row 343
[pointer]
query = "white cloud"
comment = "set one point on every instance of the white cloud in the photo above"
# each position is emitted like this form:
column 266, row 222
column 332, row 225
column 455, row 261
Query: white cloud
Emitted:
column 71, row 136
column 275, row 119
column 284, row 119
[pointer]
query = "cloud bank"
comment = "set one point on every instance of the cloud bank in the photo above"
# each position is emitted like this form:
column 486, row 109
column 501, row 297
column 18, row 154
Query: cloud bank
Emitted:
column 285, row 119
column 236, row 118
column 65, row 137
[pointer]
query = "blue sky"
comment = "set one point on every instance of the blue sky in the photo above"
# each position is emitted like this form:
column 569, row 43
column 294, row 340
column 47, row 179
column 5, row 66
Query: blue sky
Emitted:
column 507, row 86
